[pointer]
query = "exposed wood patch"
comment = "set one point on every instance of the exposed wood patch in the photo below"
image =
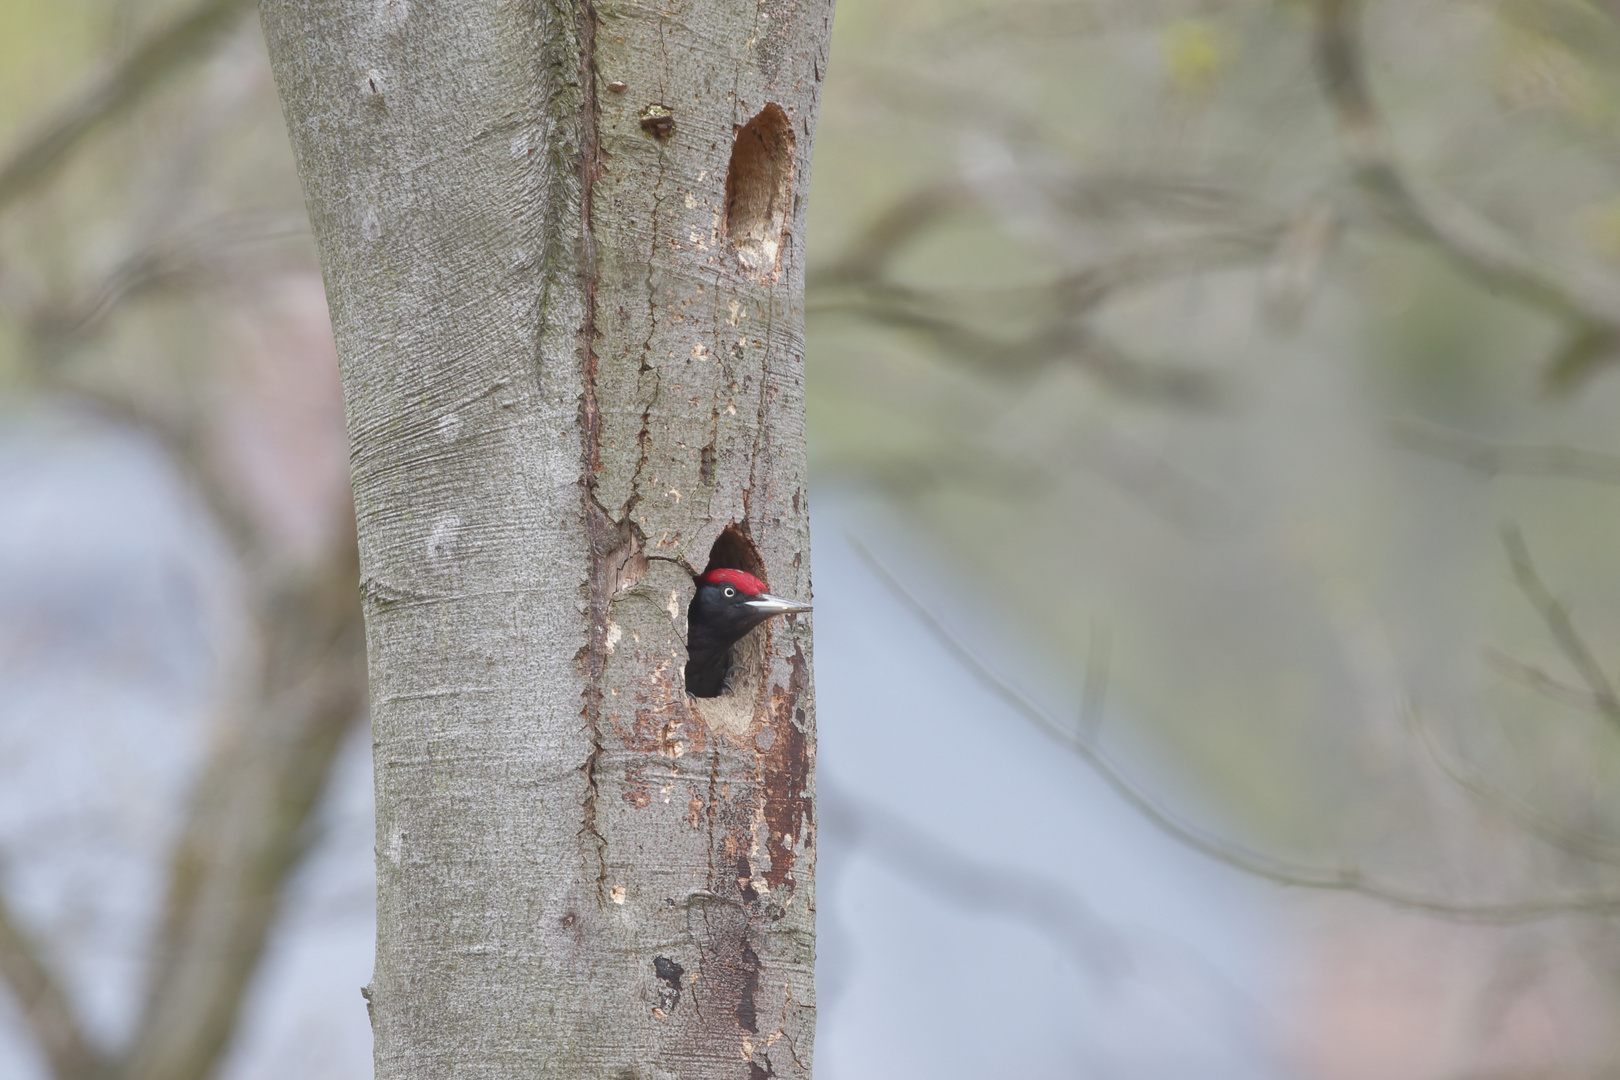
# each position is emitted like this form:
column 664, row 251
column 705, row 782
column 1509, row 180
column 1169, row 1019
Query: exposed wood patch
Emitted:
column 787, row 775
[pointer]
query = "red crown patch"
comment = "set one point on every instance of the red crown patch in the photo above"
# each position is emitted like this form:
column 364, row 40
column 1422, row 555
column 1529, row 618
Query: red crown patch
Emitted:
column 744, row 581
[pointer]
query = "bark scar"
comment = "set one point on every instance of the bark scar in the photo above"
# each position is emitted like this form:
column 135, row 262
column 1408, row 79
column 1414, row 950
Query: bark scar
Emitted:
column 787, row 775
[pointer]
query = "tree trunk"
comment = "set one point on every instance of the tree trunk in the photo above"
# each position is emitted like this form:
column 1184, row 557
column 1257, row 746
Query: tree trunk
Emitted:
column 563, row 252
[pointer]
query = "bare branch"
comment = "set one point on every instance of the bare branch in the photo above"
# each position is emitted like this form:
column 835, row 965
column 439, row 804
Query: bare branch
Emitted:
column 1472, row 245
column 249, row 824
column 1529, row 818
column 187, row 449
column 1072, row 293
column 185, row 36
column 1501, row 459
column 1063, row 336
column 1345, row 880
column 1562, row 628
column 890, row 232
column 1090, row 195
column 1541, row 682
column 858, row 285
column 183, row 257
column 249, row 821
column 192, row 256
column 1061, row 341
column 1109, row 953
column 1049, row 906
column 44, row 1005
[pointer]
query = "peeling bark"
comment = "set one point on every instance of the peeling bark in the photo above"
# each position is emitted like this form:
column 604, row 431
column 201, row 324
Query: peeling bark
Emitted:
column 574, row 376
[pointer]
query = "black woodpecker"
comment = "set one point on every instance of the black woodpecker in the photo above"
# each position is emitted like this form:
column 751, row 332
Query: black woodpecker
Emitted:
column 728, row 604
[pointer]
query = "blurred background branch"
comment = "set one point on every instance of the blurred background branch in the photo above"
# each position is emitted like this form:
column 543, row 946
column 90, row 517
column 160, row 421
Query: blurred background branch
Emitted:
column 1475, row 248
column 259, row 378
column 1267, row 867
column 1561, row 627
column 117, row 88
column 50, row 1016
column 1492, row 457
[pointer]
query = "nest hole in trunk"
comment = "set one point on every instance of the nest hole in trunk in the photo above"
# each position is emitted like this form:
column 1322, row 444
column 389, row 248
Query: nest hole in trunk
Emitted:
column 759, row 190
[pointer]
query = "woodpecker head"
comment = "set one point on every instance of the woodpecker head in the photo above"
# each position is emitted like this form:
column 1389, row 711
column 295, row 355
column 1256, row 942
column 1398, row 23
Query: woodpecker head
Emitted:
column 727, row 605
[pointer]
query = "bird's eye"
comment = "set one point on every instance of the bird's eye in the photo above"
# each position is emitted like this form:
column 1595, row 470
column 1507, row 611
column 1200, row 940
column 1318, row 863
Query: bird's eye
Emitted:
column 730, row 591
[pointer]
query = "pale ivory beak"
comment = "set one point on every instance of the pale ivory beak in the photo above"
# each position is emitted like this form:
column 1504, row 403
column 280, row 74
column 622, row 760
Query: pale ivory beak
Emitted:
column 766, row 604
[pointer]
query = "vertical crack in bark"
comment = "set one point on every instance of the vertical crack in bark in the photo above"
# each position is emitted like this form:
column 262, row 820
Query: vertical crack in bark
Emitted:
column 714, row 783
column 760, row 451
column 644, row 440
column 589, row 168
column 782, row 1031
column 648, row 362
column 600, row 531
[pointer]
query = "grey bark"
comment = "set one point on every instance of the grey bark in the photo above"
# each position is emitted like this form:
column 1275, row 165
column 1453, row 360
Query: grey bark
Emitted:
column 563, row 252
